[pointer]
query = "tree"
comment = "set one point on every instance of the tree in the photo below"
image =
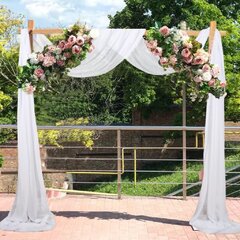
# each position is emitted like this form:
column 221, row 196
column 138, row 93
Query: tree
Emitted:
column 198, row 14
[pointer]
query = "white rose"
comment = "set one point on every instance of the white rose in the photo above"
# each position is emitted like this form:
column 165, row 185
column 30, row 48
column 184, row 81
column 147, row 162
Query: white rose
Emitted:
column 207, row 76
column 94, row 33
column 33, row 58
column 176, row 37
column 199, row 71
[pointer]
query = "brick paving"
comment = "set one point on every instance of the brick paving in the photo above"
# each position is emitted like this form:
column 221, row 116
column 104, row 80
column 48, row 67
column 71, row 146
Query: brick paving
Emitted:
column 131, row 218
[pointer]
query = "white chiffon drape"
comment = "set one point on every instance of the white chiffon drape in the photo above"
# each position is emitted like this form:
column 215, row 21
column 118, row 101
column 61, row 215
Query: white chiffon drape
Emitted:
column 211, row 213
column 30, row 210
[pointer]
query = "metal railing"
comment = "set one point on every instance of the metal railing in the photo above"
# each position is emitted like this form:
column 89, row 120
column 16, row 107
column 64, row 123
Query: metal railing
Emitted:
column 120, row 151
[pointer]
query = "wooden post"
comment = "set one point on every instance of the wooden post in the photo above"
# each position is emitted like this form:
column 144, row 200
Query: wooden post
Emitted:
column 30, row 31
column 213, row 26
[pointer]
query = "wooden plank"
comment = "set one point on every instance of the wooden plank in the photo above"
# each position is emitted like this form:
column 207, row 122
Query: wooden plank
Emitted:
column 213, row 26
column 30, row 30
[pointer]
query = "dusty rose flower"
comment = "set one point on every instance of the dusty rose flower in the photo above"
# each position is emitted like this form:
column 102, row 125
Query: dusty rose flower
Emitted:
column 49, row 61
column 60, row 63
column 202, row 54
column 185, row 53
column 175, row 48
column 198, row 60
column 29, row 88
column 173, row 59
column 206, row 68
column 215, row 71
column 80, row 40
column 188, row 60
column 61, row 44
column 164, row 31
column 68, row 45
column 72, row 39
column 163, row 61
column 91, row 48
column 223, row 84
column 211, row 82
column 40, row 57
column 157, row 51
column 207, row 76
column 152, row 44
column 198, row 79
column 38, row 72
column 76, row 49
column 67, row 54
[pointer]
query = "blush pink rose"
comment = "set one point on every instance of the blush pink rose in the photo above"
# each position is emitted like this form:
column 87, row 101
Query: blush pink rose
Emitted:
column 51, row 48
column 198, row 79
column 223, row 84
column 29, row 88
column 163, row 61
column 60, row 63
column 157, row 51
column 211, row 82
column 173, row 59
column 201, row 53
column 215, row 71
column 164, row 31
column 68, row 45
column 67, row 54
column 185, row 53
column 187, row 44
column 72, row 39
column 206, row 68
column 188, row 60
column 198, row 60
column 76, row 49
column 91, row 48
column 38, row 72
column 49, row 61
column 151, row 44
column 80, row 41
column 40, row 57
column 61, row 44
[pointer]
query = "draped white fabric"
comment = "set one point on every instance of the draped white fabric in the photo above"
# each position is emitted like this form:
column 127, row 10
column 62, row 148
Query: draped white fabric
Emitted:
column 30, row 210
column 211, row 213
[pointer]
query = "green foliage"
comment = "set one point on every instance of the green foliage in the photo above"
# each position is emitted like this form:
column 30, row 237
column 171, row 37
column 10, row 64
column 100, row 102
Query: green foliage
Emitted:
column 1, row 161
column 56, row 137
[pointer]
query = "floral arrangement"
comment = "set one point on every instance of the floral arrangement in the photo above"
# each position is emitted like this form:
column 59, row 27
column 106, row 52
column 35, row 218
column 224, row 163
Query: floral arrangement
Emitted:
column 177, row 50
column 53, row 62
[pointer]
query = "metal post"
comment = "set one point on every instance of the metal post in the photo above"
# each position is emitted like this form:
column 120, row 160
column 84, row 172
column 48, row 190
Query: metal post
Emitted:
column 119, row 163
column 184, row 143
column 135, row 166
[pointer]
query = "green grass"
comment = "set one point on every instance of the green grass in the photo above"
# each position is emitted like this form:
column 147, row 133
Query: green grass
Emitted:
column 149, row 184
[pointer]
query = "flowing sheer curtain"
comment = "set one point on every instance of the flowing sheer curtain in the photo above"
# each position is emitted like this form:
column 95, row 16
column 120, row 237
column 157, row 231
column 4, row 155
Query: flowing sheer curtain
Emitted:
column 211, row 213
column 30, row 210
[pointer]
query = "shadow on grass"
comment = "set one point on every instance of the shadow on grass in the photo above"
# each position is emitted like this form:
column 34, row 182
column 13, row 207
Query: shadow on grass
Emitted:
column 105, row 215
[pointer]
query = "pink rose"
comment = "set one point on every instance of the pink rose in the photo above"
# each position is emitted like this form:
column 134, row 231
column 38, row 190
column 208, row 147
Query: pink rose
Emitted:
column 201, row 53
column 72, row 39
column 173, row 59
column 215, row 71
column 211, row 82
column 40, row 57
column 206, row 68
column 164, row 31
column 163, row 61
column 157, row 51
column 29, row 88
column 80, row 40
column 38, row 72
column 61, row 44
column 185, row 53
column 223, row 84
column 91, row 48
column 188, row 60
column 68, row 45
column 175, row 48
column 60, row 63
column 151, row 44
column 67, row 54
column 76, row 49
column 49, row 61
column 198, row 79
column 198, row 60
column 187, row 44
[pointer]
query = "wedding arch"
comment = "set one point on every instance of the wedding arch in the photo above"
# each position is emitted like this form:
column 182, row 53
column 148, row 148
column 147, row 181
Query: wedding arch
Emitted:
column 30, row 211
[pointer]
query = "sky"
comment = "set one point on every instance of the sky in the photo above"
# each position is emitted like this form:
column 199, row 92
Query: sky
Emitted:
column 62, row 13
